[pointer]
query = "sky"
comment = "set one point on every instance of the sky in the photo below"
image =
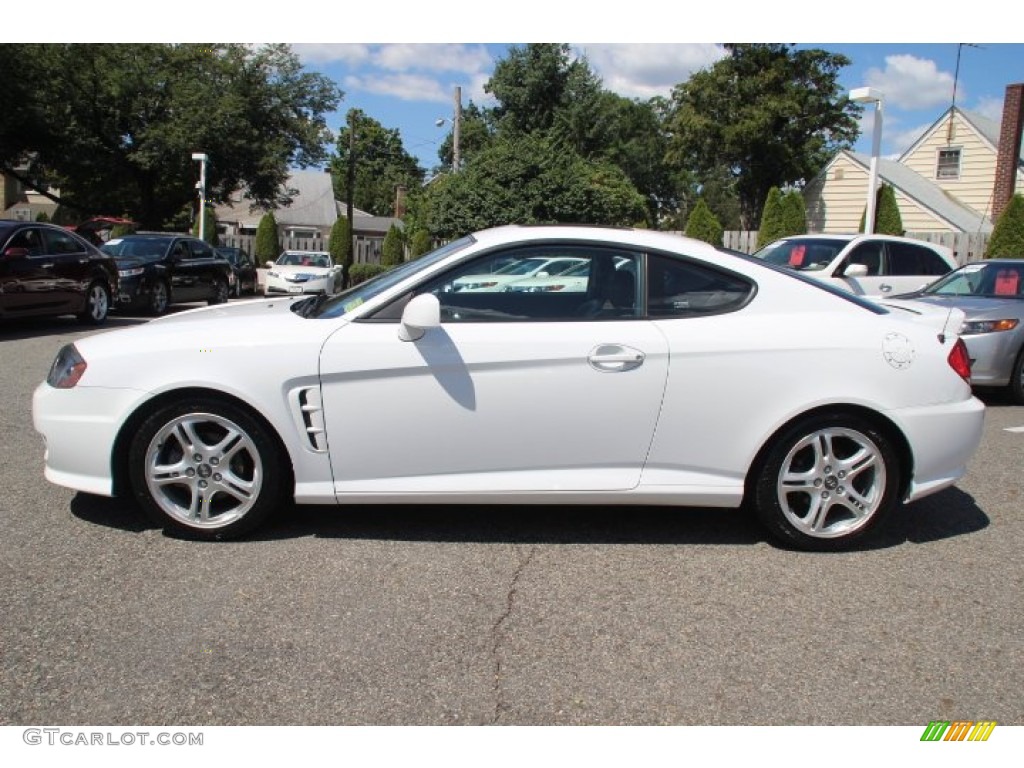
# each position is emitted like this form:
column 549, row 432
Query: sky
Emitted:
column 400, row 61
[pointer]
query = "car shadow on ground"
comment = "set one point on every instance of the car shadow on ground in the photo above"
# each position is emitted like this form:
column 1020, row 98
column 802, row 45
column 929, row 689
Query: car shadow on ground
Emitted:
column 37, row 327
column 945, row 515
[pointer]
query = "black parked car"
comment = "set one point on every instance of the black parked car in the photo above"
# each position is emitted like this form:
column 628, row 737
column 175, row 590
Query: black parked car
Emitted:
column 159, row 269
column 245, row 270
column 48, row 270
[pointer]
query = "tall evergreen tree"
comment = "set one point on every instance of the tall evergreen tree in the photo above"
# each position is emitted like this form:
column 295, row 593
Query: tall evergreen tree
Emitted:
column 209, row 226
column 1007, row 239
column 393, row 250
column 340, row 240
column 703, row 225
column 268, row 247
column 887, row 213
column 772, row 225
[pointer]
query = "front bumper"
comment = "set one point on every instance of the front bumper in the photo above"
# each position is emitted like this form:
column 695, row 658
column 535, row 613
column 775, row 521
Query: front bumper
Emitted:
column 277, row 285
column 133, row 290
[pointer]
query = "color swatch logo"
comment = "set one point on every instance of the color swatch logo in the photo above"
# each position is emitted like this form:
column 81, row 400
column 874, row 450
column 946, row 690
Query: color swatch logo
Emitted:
column 958, row 730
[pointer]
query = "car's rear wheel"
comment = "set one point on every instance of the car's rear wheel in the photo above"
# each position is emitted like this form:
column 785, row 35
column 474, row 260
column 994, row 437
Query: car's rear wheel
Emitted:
column 207, row 469
column 97, row 304
column 159, row 298
column 1016, row 386
column 220, row 291
column 826, row 481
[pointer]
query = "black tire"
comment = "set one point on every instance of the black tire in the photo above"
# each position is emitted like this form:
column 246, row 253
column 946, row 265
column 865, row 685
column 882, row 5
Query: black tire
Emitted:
column 191, row 482
column 1015, row 389
column 220, row 291
column 97, row 304
column 159, row 298
column 826, row 481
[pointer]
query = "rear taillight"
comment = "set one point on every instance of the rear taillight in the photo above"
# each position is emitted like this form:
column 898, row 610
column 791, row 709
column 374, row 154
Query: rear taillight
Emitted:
column 960, row 360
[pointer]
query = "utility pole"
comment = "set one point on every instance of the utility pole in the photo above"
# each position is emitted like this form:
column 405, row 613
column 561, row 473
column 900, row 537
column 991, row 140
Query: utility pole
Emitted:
column 350, row 246
column 456, row 126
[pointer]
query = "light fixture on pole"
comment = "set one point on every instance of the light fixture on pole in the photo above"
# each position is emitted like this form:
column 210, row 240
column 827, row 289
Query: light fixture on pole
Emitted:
column 867, row 96
column 456, row 128
column 201, row 158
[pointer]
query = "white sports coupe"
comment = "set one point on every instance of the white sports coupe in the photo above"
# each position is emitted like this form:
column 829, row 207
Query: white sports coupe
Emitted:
column 694, row 378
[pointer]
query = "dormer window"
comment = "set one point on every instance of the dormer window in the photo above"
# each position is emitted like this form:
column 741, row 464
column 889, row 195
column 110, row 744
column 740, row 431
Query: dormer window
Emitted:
column 948, row 166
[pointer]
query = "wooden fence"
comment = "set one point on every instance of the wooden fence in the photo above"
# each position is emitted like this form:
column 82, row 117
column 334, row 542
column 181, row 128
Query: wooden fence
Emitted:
column 966, row 246
column 367, row 251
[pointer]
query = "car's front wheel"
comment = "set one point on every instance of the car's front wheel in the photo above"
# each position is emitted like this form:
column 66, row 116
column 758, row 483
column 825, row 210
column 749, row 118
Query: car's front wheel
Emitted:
column 220, row 291
column 826, row 481
column 159, row 298
column 97, row 304
column 207, row 469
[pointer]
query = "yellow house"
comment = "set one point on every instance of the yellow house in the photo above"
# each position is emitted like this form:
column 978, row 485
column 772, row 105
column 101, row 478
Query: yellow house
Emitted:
column 943, row 183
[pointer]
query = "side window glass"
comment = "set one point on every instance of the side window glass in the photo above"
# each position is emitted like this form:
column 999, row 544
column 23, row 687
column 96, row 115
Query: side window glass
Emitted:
column 181, row 251
column 28, row 239
column 201, row 250
column 556, row 282
column 62, row 242
column 680, row 288
column 870, row 255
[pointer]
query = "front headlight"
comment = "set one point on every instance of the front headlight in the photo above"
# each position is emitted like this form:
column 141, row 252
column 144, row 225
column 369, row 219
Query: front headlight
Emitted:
column 67, row 369
column 973, row 327
column 131, row 272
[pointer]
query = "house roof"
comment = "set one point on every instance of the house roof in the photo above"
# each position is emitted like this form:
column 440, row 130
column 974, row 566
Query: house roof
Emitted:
column 986, row 127
column 925, row 193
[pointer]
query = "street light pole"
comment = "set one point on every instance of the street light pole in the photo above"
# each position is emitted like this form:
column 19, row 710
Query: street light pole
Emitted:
column 867, row 96
column 201, row 157
column 457, row 125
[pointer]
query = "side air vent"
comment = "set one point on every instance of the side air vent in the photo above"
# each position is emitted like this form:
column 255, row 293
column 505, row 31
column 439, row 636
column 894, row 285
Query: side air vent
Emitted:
column 312, row 412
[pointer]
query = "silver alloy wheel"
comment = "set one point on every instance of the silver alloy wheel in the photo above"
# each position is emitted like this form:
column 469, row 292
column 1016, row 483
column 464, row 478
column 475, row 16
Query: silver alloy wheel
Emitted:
column 203, row 470
column 97, row 305
column 832, row 482
column 158, row 299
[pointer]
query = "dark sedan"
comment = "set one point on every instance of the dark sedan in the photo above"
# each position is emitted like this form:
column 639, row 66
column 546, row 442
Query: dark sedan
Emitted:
column 244, row 269
column 159, row 269
column 991, row 295
column 47, row 270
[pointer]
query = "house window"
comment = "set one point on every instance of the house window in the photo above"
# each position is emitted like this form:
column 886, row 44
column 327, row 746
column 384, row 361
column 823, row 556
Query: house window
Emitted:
column 949, row 164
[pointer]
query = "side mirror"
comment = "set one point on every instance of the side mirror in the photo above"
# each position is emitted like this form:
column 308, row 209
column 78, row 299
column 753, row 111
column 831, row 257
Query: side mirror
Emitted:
column 16, row 253
column 270, row 265
column 421, row 314
column 856, row 270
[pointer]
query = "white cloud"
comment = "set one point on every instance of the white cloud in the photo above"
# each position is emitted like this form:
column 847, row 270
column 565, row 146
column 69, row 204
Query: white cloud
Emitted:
column 329, row 53
column 912, row 83
column 645, row 70
column 903, row 138
column 406, row 87
column 467, row 59
column 989, row 107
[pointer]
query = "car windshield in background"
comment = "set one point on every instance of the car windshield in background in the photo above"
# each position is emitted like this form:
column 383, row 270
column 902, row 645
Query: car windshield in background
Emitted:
column 990, row 279
column 304, row 260
column 346, row 301
column 805, row 254
column 143, row 248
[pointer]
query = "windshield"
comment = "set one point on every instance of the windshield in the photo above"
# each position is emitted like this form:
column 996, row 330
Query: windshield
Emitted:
column 322, row 260
column 346, row 301
column 806, row 254
column 988, row 279
column 148, row 248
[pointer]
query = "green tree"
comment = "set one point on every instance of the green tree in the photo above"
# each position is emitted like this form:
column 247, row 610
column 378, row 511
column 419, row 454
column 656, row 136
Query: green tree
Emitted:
column 772, row 225
column 393, row 250
column 420, row 243
column 267, row 247
column 340, row 241
column 703, row 225
column 794, row 213
column 381, row 165
column 774, row 114
column 41, row 216
column 476, row 132
column 209, row 226
column 1007, row 239
column 113, row 126
column 887, row 213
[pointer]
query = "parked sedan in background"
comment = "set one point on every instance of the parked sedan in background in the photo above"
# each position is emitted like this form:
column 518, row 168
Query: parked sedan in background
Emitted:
column 501, row 276
column 244, row 270
column 693, row 378
column 158, row 269
column 991, row 295
column 868, row 265
column 47, row 270
column 299, row 272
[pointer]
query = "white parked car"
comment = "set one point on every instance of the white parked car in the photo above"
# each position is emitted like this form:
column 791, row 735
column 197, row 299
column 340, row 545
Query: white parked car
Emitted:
column 302, row 272
column 868, row 265
column 507, row 272
column 695, row 378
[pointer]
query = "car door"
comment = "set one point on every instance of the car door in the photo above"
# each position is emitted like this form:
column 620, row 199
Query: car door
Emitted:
column 869, row 254
column 208, row 268
column 911, row 267
column 71, row 264
column 514, row 392
column 30, row 275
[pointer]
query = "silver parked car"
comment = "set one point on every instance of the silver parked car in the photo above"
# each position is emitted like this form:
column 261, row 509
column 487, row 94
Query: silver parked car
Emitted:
column 991, row 294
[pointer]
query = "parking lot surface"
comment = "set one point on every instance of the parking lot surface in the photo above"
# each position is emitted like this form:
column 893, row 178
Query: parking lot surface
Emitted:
column 500, row 615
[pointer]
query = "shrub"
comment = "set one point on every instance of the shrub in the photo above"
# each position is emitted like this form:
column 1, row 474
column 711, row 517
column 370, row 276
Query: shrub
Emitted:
column 360, row 273
column 794, row 214
column 702, row 224
column 338, row 243
column 887, row 213
column 268, row 246
column 772, row 227
column 1008, row 235
column 41, row 216
column 420, row 244
column 393, row 250
column 209, row 226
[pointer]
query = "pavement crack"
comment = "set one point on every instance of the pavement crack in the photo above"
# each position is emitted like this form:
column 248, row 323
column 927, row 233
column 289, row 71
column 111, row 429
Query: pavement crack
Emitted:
column 498, row 632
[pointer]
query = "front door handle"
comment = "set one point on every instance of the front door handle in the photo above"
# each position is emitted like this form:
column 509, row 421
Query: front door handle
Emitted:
column 615, row 358
column 885, row 288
